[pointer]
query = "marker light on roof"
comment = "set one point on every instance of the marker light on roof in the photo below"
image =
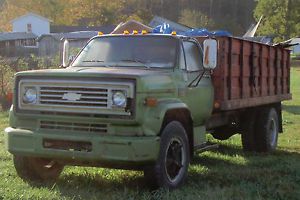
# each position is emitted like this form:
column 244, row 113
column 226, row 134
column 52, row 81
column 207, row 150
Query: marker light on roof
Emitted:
column 126, row 32
column 100, row 33
column 173, row 33
column 135, row 32
column 144, row 32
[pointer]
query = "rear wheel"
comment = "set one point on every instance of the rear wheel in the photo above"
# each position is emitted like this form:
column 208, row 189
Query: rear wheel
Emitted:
column 248, row 133
column 223, row 133
column 267, row 128
column 37, row 169
column 170, row 170
column 260, row 130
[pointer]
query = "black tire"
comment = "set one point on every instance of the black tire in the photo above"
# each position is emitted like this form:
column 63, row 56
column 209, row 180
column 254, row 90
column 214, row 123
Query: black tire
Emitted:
column 37, row 169
column 223, row 133
column 248, row 133
column 170, row 169
column 267, row 128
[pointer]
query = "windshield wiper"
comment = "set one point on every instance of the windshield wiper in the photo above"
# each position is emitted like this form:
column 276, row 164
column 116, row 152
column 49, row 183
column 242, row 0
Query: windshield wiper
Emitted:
column 135, row 61
column 97, row 61
column 90, row 61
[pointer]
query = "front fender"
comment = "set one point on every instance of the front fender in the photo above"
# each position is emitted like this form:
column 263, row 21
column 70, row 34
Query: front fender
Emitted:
column 154, row 116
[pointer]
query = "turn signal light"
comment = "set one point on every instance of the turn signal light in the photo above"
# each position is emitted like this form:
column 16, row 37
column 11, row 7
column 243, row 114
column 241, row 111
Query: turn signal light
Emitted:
column 217, row 105
column 151, row 102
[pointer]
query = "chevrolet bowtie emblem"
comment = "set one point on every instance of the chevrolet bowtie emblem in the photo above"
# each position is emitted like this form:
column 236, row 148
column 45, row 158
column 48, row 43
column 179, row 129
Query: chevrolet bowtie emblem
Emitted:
column 71, row 96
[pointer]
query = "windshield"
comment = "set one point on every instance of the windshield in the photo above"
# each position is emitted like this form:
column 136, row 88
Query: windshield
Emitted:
column 129, row 51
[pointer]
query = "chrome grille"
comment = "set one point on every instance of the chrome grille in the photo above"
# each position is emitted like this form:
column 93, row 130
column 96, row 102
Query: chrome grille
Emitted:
column 89, row 96
column 76, row 96
column 74, row 126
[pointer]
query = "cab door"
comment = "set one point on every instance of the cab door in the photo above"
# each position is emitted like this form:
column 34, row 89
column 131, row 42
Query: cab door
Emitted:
column 196, row 88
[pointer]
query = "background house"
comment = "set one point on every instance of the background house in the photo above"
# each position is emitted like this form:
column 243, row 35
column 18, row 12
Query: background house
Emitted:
column 65, row 29
column 18, row 44
column 296, row 48
column 31, row 23
column 50, row 44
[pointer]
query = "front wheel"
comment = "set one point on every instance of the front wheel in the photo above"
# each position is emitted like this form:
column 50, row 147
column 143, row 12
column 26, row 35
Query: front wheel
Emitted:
column 37, row 169
column 170, row 170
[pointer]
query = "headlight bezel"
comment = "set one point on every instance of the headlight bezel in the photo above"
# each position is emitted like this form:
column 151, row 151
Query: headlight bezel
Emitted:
column 30, row 98
column 117, row 94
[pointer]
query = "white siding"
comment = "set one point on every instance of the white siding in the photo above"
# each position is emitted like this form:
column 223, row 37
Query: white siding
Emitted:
column 39, row 26
column 296, row 49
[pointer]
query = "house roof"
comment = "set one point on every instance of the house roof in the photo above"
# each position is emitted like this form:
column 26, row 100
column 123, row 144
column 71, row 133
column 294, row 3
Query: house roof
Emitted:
column 72, row 35
column 295, row 40
column 31, row 14
column 175, row 26
column 64, row 29
column 16, row 36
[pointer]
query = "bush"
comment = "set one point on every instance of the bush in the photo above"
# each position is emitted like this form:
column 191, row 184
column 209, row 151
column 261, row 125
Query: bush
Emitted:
column 8, row 67
column 6, row 83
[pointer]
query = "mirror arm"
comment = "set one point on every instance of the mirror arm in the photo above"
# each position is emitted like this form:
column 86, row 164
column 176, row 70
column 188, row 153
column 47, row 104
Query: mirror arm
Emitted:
column 198, row 79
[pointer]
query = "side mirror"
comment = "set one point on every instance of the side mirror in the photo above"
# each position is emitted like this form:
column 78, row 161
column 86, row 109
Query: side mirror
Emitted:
column 65, row 54
column 210, row 53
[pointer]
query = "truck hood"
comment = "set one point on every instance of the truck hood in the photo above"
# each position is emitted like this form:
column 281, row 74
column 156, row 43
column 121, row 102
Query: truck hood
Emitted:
column 148, row 80
column 98, row 71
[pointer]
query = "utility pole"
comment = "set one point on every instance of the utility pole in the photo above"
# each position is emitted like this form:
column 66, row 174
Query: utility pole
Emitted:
column 210, row 9
column 288, row 18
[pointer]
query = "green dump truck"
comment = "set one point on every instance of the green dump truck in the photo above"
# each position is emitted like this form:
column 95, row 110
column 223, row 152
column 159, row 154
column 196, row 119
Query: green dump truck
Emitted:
column 145, row 102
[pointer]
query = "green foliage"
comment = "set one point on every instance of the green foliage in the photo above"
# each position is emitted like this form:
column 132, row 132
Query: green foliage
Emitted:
column 233, row 15
column 281, row 18
column 195, row 19
column 6, row 77
column 9, row 67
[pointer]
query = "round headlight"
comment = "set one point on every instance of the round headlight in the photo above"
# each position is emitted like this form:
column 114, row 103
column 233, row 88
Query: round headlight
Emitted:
column 30, row 95
column 119, row 99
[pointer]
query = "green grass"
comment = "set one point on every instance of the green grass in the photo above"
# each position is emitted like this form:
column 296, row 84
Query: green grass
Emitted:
column 226, row 173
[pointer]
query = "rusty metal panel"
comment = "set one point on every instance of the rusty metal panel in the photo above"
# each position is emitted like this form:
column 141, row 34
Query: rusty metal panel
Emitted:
column 252, row 102
column 250, row 74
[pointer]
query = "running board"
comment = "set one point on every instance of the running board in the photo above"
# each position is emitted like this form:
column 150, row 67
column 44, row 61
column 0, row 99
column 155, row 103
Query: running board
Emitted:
column 205, row 147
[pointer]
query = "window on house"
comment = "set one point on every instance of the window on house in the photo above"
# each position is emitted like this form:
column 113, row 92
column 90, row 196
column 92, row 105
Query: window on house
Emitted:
column 29, row 28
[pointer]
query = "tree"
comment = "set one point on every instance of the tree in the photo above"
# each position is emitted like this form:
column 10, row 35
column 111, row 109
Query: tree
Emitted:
column 232, row 15
column 195, row 19
column 281, row 18
column 76, row 12
column 52, row 9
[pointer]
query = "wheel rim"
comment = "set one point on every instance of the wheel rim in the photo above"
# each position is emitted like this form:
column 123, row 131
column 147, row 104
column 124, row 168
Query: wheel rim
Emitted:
column 44, row 167
column 175, row 159
column 43, row 163
column 273, row 132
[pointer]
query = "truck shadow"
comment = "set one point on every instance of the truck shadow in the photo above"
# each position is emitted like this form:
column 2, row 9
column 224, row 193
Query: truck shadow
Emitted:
column 227, row 165
column 291, row 109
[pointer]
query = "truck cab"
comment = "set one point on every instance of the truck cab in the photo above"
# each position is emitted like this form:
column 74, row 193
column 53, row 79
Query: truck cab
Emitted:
column 130, row 101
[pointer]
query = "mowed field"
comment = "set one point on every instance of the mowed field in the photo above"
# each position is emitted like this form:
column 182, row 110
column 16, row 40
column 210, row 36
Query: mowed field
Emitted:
column 225, row 173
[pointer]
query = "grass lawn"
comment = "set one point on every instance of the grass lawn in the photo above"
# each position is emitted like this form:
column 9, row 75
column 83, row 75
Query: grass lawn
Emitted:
column 226, row 173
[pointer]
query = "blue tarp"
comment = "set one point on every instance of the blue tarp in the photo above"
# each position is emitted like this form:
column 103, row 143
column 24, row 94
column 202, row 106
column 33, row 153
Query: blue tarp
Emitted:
column 163, row 29
column 166, row 29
